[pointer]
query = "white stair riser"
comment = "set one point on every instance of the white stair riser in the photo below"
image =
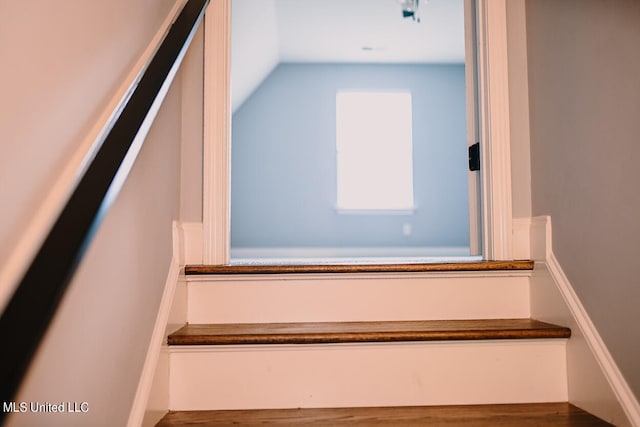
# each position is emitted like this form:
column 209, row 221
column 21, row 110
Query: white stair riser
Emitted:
column 357, row 298
column 389, row 374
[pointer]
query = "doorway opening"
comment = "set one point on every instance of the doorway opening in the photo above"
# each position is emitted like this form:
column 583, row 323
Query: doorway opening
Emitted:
column 299, row 193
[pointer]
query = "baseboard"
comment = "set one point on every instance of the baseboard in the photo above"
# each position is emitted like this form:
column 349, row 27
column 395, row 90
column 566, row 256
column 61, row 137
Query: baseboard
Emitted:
column 348, row 252
column 540, row 237
column 192, row 242
column 158, row 336
column 158, row 403
column 615, row 378
column 595, row 382
column 521, row 238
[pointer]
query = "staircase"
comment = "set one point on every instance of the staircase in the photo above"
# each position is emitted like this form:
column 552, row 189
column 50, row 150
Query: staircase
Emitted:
column 446, row 344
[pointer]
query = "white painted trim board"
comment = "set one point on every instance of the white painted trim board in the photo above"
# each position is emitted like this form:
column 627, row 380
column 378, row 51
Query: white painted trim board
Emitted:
column 457, row 253
column 615, row 378
column 495, row 148
column 216, row 188
column 521, row 239
column 192, row 234
column 367, row 374
column 357, row 297
column 157, row 336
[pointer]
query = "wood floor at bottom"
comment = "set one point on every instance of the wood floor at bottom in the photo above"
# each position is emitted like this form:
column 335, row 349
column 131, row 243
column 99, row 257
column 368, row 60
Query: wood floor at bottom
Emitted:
column 516, row 415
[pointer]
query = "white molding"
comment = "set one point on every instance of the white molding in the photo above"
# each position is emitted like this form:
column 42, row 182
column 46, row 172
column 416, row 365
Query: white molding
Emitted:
column 619, row 385
column 473, row 132
column 494, row 129
column 158, row 401
column 356, row 276
column 444, row 253
column 158, row 335
column 217, row 145
column 519, row 108
column 42, row 221
column 540, row 238
column 547, row 307
column 191, row 243
column 521, row 238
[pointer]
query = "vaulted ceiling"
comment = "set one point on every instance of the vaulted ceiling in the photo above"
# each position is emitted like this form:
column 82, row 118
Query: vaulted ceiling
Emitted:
column 267, row 32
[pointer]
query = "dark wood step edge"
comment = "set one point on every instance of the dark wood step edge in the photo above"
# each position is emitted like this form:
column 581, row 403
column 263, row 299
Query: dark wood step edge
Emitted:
column 243, row 334
column 494, row 415
column 359, row 268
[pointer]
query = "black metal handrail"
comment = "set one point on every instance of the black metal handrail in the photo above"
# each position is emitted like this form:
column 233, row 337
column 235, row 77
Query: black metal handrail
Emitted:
column 36, row 298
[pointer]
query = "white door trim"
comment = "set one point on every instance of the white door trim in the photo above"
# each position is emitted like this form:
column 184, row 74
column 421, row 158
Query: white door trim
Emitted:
column 494, row 132
column 493, row 91
column 471, row 82
column 216, row 186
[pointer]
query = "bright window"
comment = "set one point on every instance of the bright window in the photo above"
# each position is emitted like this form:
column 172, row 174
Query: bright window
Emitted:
column 374, row 146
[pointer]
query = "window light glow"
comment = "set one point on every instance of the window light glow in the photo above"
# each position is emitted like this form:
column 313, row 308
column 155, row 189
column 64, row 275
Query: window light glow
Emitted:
column 374, row 151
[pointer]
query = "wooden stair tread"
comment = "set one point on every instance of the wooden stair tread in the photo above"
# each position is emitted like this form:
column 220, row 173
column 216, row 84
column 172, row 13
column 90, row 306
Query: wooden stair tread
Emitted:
column 358, row 268
column 344, row 332
column 522, row 415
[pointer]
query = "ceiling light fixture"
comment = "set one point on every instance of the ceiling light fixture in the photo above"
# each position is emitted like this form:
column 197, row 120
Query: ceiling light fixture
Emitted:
column 368, row 48
column 410, row 9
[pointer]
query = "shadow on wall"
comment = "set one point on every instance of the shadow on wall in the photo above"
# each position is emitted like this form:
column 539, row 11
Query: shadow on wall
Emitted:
column 283, row 183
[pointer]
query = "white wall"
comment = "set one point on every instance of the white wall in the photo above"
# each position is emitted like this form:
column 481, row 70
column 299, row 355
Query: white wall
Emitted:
column 66, row 61
column 585, row 104
column 191, row 78
column 283, row 162
column 96, row 345
column 62, row 62
column 192, row 130
column 254, row 46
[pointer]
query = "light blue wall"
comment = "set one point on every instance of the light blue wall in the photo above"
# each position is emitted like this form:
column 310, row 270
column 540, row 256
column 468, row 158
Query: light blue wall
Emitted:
column 283, row 179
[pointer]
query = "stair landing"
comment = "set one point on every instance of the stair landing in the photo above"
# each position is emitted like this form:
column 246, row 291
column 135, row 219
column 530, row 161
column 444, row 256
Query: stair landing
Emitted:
column 522, row 415
column 359, row 267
